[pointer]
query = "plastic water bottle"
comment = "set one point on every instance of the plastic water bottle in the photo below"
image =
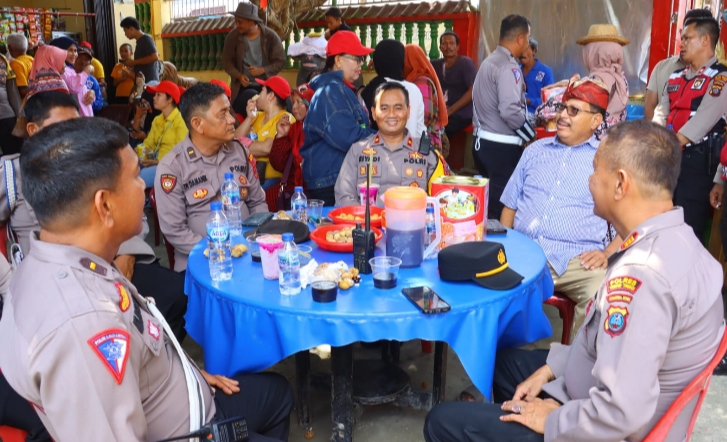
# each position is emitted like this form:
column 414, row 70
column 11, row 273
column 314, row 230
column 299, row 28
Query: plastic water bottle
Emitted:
column 231, row 203
column 218, row 242
column 430, row 226
column 299, row 205
column 289, row 262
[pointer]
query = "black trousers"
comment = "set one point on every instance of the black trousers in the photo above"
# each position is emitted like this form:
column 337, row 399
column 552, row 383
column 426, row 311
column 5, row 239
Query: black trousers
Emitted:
column 693, row 187
column 9, row 143
column 327, row 194
column 16, row 412
column 480, row 422
column 240, row 103
column 167, row 288
column 456, row 124
column 496, row 161
column 265, row 400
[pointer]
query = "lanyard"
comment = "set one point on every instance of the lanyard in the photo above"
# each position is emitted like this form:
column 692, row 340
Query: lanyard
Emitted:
column 161, row 137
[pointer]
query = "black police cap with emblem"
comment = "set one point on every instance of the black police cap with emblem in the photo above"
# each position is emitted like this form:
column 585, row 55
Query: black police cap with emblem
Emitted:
column 483, row 262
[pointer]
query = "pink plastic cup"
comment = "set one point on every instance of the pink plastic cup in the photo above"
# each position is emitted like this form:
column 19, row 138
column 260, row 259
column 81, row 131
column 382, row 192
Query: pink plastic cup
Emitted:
column 269, row 247
column 373, row 193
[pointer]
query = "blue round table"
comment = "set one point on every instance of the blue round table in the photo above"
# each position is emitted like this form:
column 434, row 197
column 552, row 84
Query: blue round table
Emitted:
column 246, row 325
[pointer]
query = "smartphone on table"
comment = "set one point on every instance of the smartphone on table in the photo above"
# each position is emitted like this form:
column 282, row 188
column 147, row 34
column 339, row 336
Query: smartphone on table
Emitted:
column 426, row 299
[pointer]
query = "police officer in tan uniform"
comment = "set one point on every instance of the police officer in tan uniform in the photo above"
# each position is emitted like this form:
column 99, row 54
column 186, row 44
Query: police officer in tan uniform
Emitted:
column 97, row 361
column 655, row 324
column 190, row 177
column 396, row 156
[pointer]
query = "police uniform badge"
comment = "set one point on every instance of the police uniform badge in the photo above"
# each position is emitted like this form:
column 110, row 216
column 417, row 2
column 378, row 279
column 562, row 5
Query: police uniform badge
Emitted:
column 191, row 154
column 243, row 192
column 200, row 193
column 253, row 163
column 112, row 347
column 517, row 74
column 154, row 331
column 616, row 318
column 698, row 83
column 420, row 173
column 409, row 171
column 124, row 298
column 168, row 182
column 243, row 180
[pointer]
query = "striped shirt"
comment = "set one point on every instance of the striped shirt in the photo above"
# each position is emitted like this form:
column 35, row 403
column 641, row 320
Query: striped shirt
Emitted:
column 554, row 207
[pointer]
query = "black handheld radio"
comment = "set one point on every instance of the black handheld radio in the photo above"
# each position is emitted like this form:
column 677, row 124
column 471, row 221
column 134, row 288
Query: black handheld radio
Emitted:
column 225, row 430
column 364, row 240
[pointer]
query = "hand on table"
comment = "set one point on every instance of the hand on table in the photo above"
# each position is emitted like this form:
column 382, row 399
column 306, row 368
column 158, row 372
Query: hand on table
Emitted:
column 715, row 196
column 227, row 385
column 532, row 414
column 595, row 259
column 530, row 388
column 125, row 263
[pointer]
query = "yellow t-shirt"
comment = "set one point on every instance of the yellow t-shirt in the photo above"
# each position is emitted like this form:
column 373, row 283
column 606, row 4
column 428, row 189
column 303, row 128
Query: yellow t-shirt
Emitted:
column 21, row 66
column 265, row 130
column 165, row 133
column 125, row 87
column 98, row 72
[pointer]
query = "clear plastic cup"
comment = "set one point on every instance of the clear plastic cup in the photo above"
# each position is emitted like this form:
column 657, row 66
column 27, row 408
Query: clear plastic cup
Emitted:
column 373, row 193
column 385, row 270
column 315, row 210
column 253, row 246
column 304, row 254
column 269, row 247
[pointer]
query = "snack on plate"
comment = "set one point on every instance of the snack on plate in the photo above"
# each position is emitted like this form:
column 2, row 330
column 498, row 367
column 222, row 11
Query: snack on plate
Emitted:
column 329, row 272
column 343, row 235
column 236, row 251
column 282, row 214
column 349, row 278
column 351, row 217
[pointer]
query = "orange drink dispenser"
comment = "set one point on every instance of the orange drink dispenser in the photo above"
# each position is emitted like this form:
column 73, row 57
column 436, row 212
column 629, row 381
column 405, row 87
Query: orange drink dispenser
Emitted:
column 405, row 209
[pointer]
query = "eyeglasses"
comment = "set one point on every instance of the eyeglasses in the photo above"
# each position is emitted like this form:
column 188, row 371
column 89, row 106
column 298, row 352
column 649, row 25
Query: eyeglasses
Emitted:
column 572, row 110
column 356, row 58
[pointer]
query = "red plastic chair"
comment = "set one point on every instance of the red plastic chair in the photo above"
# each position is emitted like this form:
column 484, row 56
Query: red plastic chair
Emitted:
column 167, row 244
column 10, row 434
column 567, row 310
column 698, row 386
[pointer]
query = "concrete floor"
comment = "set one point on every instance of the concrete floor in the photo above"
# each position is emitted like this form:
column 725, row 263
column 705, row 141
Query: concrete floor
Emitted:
column 391, row 424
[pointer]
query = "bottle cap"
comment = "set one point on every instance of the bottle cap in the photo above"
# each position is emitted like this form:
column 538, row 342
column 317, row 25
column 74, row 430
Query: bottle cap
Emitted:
column 216, row 206
column 477, row 176
column 229, row 176
column 299, row 188
column 287, row 236
column 430, row 209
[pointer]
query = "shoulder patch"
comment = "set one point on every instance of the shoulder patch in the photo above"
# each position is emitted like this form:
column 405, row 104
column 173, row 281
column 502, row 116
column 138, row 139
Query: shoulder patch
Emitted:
column 112, row 347
column 717, row 85
column 616, row 319
column 620, row 298
column 154, row 330
column 168, row 182
column 92, row 266
column 629, row 241
column 124, row 298
column 623, row 284
column 253, row 163
column 517, row 74
column 191, row 154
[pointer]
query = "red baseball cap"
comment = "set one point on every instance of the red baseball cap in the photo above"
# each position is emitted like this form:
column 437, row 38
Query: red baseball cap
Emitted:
column 277, row 84
column 168, row 88
column 223, row 85
column 85, row 44
column 346, row 42
column 305, row 92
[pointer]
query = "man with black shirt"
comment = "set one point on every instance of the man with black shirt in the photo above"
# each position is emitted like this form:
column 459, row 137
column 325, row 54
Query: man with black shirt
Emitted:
column 456, row 74
column 335, row 23
column 145, row 55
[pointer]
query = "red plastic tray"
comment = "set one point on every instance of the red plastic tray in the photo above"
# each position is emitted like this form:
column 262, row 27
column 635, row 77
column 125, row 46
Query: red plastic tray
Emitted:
column 319, row 237
column 335, row 214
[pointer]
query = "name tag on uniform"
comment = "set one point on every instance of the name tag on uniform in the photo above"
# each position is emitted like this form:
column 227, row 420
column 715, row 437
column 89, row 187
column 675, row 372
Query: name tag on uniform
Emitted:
column 672, row 88
column 698, row 83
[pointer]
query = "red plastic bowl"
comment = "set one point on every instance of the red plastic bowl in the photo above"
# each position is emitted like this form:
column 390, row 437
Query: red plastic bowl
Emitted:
column 335, row 214
column 319, row 237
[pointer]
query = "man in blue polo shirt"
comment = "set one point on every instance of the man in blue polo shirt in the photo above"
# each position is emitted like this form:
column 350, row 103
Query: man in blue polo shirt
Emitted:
column 537, row 75
column 547, row 197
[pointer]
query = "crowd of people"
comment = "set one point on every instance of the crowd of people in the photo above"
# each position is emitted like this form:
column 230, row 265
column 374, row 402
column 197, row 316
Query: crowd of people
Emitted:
column 617, row 208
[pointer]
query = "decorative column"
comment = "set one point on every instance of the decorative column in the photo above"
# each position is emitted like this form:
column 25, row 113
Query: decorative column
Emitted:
column 219, row 44
column 433, row 40
column 397, row 30
column 421, row 35
column 409, row 31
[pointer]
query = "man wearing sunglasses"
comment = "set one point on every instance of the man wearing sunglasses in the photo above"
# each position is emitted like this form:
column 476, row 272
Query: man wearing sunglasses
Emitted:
column 548, row 200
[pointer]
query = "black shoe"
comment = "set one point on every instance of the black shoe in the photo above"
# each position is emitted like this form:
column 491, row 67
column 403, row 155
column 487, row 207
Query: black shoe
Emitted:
column 721, row 369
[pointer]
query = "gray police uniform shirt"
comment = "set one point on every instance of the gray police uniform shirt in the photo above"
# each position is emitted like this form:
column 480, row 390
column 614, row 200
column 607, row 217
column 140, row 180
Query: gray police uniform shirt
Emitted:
column 499, row 94
column 77, row 341
column 187, row 182
column 23, row 221
column 711, row 109
column 400, row 165
column 654, row 325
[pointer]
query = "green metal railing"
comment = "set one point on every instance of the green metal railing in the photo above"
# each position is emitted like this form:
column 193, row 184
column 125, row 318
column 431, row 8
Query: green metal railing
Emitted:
column 203, row 52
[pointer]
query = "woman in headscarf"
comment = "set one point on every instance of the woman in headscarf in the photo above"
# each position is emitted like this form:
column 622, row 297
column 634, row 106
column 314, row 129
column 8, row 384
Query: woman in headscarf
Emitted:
column 46, row 74
column 418, row 70
column 389, row 65
column 285, row 153
column 603, row 56
column 76, row 82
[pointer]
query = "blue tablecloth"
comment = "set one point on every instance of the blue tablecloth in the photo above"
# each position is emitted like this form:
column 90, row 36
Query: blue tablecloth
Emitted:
column 246, row 325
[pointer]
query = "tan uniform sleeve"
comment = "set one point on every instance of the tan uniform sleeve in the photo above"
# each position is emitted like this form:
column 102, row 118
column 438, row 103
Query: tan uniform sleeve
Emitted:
column 172, row 210
column 712, row 108
column 346, row 185
column 632, row 341
column 66, row 359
